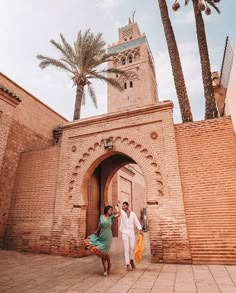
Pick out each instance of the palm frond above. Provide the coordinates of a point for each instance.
(62, 50)
(109, 80)
(211, 3)
(68, 49)
(186, 2)
(46, 61)
(92, 94)
(83, 98)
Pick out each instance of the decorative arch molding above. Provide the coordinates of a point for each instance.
(90, 158)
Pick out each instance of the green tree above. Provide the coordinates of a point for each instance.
(176, 66)
(199, 6)
(83, 61)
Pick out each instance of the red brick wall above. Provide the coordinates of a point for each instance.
(20, 139)
(30, 218)
(207, 161)
(27, 127)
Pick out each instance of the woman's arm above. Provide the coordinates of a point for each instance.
(98, 230)
(118, 212)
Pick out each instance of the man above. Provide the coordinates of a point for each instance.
(128, 221)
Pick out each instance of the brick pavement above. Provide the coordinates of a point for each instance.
(41, 273)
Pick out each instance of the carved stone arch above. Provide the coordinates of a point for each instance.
(96, 153)
(130, 58)
(136, 56)
(116, 62)
(147, 160)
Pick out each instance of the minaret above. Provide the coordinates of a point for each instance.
(133, 55)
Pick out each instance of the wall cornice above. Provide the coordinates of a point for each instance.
(159, 107)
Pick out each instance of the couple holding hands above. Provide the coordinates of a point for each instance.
(100, 241)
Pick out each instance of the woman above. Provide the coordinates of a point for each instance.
(100, 241)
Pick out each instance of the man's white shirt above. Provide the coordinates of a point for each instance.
(127, 223)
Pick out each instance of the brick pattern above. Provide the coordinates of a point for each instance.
(24, 126)
(29, 225)
(207, 160)
(20, 139)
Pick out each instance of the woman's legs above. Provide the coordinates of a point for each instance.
(104, 263)
(108, 263)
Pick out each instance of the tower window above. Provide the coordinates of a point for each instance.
(125, 39)
(130, 84)
(125, 85)
(123, 61)
(130, 59)
(130, 37)
(117, 75)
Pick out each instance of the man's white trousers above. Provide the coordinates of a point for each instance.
(129, 246)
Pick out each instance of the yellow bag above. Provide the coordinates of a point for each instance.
(139, 248)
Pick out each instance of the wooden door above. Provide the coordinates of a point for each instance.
(94, 200)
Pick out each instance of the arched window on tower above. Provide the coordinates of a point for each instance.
(136, 56)
(125, 85)
(116, 61)
(131, 84)
(130, 59)
(123, 61)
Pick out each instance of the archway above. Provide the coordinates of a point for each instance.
(116, 178)
(130, 152)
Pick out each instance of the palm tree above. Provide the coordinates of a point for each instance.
(180, 87)
(199, 6)
(83, 61)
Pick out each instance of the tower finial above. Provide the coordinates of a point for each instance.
(129, 21)
(133, 15)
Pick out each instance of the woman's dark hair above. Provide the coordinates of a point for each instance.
(106, 209)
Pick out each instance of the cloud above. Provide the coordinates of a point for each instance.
(108, 6)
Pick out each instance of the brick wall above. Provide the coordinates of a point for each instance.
(20, 139)
(27, 127)
(207, 161)
(30, 220)
(31, 112)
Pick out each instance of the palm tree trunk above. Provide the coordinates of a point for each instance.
(210, 104)
(180, 87)
(78, 101)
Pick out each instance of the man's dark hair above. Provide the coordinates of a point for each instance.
(106, 209)
(125, 202)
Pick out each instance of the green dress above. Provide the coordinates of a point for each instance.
(100, 244)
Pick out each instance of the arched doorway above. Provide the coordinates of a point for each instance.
(98, 192)
(116, 178)
(124, 151)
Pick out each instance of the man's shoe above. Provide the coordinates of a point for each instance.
(132, 264)
(128, 268)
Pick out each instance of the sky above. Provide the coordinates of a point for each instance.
(27, 26)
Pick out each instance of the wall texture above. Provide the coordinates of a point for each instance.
(26, 125)
(30, 220)
(207, 161)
